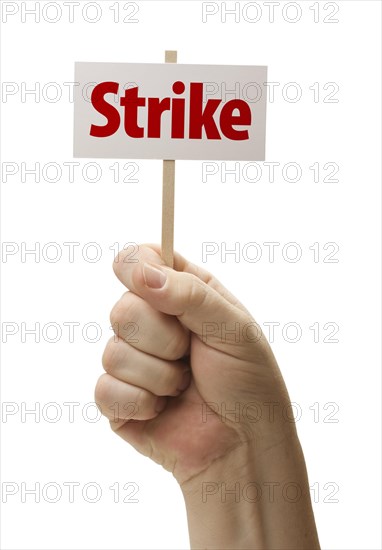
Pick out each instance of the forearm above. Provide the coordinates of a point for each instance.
(256, 498)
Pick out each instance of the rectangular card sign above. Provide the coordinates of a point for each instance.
(169, 111)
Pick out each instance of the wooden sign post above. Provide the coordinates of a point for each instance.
(168, 194)
(169, 111)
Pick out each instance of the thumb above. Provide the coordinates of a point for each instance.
(185, 296)
(202, 309)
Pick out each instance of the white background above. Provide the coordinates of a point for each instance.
(347, 373)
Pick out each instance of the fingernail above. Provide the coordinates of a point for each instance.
(154, 277)
(160, 404)
(184, 383)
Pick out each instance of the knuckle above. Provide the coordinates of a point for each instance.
(116, 313)
(166, 382)
(102, 389)
(141, 399)
(118, 264)
(195, 293)
(170, 383)
(123, 309)
(109, 357)
(175, 347)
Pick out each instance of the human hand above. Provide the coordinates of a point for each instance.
(184, 390)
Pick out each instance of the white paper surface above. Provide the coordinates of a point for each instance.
(225, 82)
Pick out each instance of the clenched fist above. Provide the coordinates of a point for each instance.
(189, 382)
(176, 386)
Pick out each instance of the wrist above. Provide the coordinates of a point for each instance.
(255, 497)
(218, 510)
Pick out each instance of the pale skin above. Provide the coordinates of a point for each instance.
(209, 406)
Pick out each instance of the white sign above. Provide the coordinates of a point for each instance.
(169, 111)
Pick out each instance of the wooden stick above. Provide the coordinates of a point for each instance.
(168, 195)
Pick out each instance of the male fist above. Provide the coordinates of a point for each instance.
(189, 375)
